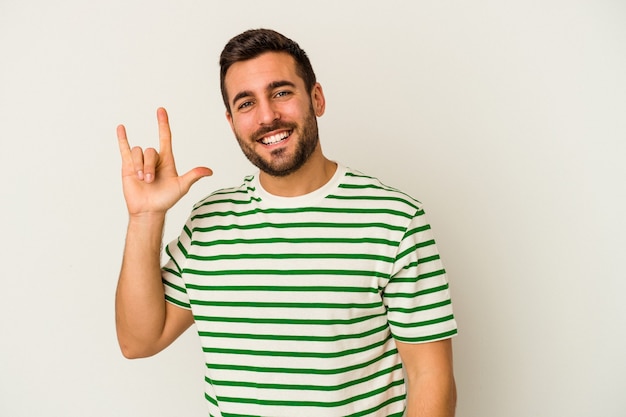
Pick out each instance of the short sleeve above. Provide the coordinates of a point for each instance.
(417, 296)
(172, 271)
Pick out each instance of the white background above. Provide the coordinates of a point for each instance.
(506, 118)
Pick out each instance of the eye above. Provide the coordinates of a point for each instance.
(282, 93)
(244, 105)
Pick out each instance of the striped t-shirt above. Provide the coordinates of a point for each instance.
(298, 301)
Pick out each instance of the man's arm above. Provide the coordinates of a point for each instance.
(145, 322)
(431, 386)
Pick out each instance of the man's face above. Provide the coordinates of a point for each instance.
(272, 114)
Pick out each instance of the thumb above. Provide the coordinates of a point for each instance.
(194, 175)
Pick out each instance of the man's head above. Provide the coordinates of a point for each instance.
(272, 102)
(252, 43)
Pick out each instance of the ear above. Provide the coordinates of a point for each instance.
(317, 99)
(229, 117)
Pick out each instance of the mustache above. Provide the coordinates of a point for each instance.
(276, 125)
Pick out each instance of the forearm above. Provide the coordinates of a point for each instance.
(431, 396)
(139, 302)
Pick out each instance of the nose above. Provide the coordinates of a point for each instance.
(267, 112)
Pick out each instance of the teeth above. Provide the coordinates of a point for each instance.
(270, 140)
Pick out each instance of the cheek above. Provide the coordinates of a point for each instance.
(241, 126)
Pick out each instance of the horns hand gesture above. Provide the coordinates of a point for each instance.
(150, 181)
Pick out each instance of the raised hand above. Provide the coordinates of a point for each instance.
(149, 178)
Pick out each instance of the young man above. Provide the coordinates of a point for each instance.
(312, 286)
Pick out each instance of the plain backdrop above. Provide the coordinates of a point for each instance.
(506, 118)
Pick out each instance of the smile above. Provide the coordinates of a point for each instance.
(279, 137)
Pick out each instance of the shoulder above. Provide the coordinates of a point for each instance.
(356, 184)
(240, 195)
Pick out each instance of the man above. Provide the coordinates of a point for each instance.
(312, 286)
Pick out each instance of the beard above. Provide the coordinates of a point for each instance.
(280, 163)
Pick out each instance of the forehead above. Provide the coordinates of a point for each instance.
(257, 73)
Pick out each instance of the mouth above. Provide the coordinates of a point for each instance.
(275, 138)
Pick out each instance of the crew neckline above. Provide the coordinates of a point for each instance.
(312, 198)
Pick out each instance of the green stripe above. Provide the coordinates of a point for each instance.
(370, 197)
(167, 251)
(212, 199)
(303, 387)
(297, 226)
(303, 211)
(211, 400)
(175, 301)
(426, 338)
(302, 272)
(418, 293)
(299, 354)
(368, 412)
(419, 277)
(355, 174)
(229, 201)
(357, 256)
(419, 229)
(420, 308)
(422, 261)
(174, 286)
(431, 274)
(301, 403)
(260, 304)
(172, 271)
(273, 288)
(362, 186)
(182, 249)
(304, 371)
(287, 321)
(414, 248)
(422, 323)
(381, 405)
(306, 338)
(386, 187)
(295, 240)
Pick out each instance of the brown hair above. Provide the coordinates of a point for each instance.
(254, 42)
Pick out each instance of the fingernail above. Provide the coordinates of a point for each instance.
(148, 178)
(140, 175)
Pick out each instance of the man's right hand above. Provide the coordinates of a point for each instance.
(150, 181)
(145, 322)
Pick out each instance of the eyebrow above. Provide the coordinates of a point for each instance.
(271, 86)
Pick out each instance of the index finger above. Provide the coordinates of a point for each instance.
(122, 141)
(165, 134)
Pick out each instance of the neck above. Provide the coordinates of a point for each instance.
(314, 174)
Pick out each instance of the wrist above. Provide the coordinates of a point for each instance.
(148, 225)
(156, 217)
